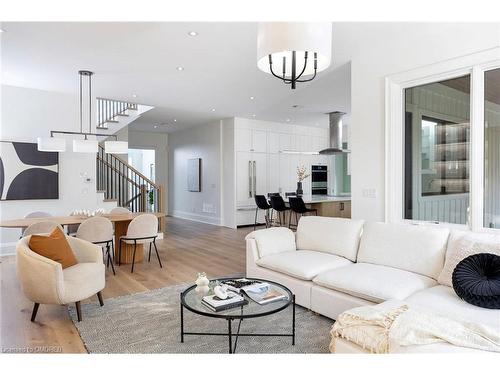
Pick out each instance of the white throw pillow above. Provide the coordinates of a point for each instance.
(463, 244)
(274, 240)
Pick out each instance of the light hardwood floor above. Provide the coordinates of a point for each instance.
(186, 249)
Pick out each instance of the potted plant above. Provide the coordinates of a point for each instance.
(301, 176)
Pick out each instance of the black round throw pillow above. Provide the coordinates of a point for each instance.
(476, 279)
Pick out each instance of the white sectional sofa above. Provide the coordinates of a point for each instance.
(334, 264)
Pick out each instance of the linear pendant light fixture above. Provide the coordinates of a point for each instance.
(85, 145)
(292, 51)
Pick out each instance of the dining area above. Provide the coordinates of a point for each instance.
(121, 233)
(62, 260)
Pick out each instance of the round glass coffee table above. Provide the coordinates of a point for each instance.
(191, 301)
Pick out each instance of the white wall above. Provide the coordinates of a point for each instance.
(159, 143)
(378, 50)
(228, 185)
(26, 115)
(202, 142)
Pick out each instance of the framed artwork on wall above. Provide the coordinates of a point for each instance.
(194, 175)
(26, 173)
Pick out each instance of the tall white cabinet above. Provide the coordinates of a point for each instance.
(261, 167)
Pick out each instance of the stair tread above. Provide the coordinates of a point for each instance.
(122, 114)
(100, 191)
(110, 200)
(116, 121)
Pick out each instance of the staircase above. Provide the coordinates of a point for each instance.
(121, 182)
(116, 179)
(109, 111)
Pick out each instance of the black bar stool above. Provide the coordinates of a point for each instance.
(263, 204)
(298, 206)
(278, 205)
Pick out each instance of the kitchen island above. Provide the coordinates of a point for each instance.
(329, 205)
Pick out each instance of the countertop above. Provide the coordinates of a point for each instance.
(308, 199)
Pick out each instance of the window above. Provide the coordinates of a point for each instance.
(492, 148)
(443, 143)
(437, 144)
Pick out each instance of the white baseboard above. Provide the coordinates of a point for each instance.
(196, 217)
(8, 248)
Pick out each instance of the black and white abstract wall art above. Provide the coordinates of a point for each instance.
(26, 173)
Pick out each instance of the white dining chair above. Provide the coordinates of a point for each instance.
(32, 215)
(41, 227)
(99, 231)
(120, 210)
(142, 230)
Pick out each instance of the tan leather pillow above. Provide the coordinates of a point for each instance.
(54, 246)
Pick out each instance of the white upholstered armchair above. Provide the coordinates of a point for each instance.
(44, 281)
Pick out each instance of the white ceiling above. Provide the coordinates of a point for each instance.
(129, 58)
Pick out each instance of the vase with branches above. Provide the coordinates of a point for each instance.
(301, 176)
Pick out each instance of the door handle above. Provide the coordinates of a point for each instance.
(254, 177)
(249, 179)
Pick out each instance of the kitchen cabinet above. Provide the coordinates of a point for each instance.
(262, 167)
(334, 209)
(251, 140)
(251, 177)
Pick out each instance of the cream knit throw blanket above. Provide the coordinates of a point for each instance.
(382, 328)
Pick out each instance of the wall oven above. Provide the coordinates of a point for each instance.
(319, 180)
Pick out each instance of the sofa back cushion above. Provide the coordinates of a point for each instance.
(330, 235)
(274, 240)
(462, 244)
(415, 248)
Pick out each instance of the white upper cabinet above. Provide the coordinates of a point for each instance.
(273, 142)
(286, 142)
(259, 141)
(250, 140)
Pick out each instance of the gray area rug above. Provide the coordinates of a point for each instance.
(149, 322)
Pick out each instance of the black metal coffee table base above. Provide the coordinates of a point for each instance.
(230, 334)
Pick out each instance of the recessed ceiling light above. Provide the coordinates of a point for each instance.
(180, 68)
(253, 115)
(213, 109)
(252, 98)
(192, 33)
(134, 95)
(1, 30)
(156, 126)
(175, 120)
(287, 120)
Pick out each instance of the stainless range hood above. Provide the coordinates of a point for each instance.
(335, 135)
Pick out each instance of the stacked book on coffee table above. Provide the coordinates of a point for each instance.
(216, 304)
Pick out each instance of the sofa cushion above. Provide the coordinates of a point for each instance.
(274, 240)
(373, 282)
(442, 300)
(462, 244)
(330, 235)
(302, 264)
(415, 248)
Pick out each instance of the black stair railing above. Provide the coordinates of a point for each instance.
(130, 188)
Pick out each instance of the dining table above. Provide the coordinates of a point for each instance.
(120, 221)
